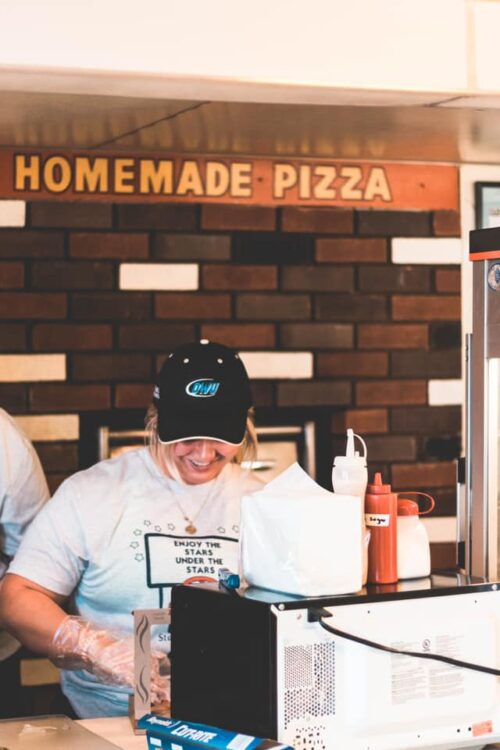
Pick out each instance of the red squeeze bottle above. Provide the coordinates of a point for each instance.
(381, 516)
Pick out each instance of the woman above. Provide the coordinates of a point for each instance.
(23, 492)
(117, 536)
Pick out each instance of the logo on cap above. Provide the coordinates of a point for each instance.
(202, 388)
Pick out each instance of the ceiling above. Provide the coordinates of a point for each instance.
(348, 125)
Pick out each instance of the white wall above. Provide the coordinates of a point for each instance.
(387, 44)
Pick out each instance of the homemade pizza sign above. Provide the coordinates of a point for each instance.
(95, 176)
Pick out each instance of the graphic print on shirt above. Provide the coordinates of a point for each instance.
(171, 558)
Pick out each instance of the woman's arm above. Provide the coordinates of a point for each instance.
(34, 615)
(30, 612)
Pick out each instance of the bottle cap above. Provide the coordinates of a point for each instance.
(407, 508)
(357, 461)
(377, 488)
(352, 456)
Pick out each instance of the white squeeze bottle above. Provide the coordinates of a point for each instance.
(350, 477)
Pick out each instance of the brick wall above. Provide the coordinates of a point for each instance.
(329, 316)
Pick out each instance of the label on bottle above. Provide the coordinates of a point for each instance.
(377, 519)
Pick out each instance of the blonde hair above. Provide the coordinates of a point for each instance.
(163, 453)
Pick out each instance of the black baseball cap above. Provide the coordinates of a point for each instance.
(202, 391)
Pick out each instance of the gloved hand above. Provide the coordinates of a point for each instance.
(77, 644)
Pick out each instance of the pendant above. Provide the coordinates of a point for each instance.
(191, 529)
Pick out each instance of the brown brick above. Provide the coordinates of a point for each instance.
(443, 555)
(426, 307)
(273, 306)
(392, 336)
(392, 448)
(192, 246)
(429, 420)
(351, 307)
(25, 305)
(239, 277)
(445, 335)
(317, 336)
(241, 335)
(318, 220)
(434, 364)
(11, 275)
(317, 279)
(133, 395)
(352, 250)
(247, 218)
(63, 214)
(21, 243)
(272, 247)
(448, 281)
(263, 394)
(57, 337)
(362, 421)
(13, 397)
(177, 217)
(61, 397)
(391, 392)
(12, 337)
(107, 245)
(446, 223)
(71, 275)
(318, 393)
(58, 457)
(55, 480)
(111, 367)
(443, 448)
(353, 364)
(153, 336)
(193, 306)
(111, 306)
(394, 223)
(446, 501)
(419, 476)
(394, 279)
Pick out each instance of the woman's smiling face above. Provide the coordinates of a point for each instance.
(199, 461)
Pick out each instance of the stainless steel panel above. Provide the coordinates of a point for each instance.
(483, 424)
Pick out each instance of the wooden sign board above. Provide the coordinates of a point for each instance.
(93, 176)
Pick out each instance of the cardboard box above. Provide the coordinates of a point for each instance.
(140, 702)
(174, 734)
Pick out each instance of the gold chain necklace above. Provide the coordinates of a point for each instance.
(191, 528)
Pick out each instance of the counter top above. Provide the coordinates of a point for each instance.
(118, 730)
(115, 730)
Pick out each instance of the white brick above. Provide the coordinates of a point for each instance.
(429, 250)
(50, 426)
(440, 528)
(159, 276)
(446, 392)
(278, 364)
(12, 213)
(21, 368)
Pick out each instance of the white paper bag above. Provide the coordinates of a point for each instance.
(298, 538)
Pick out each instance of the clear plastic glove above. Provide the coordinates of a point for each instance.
(77, 644)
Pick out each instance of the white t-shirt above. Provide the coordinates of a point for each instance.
(23, 491)
(115, 536)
